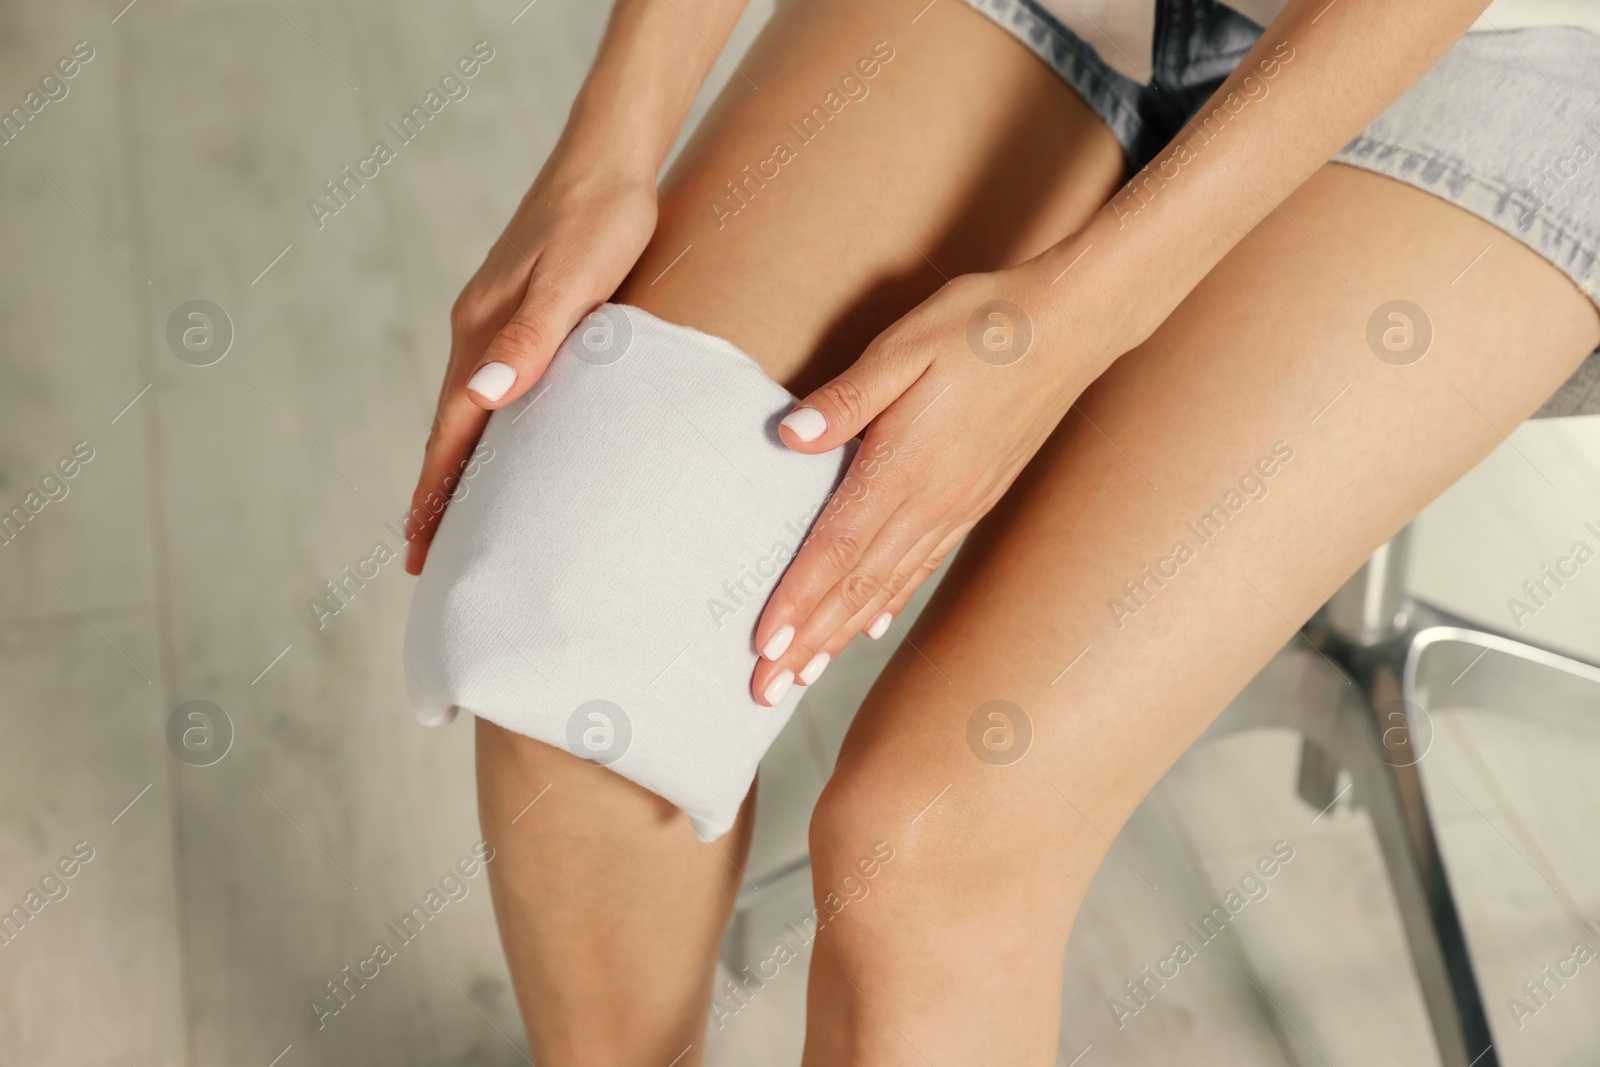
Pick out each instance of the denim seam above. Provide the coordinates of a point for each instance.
(1081, 72)
(1564, 231)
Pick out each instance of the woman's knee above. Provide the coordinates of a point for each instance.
(940, 859)
(861, 868)
(960, 830)
(851, 818)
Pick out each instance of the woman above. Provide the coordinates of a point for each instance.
(1367, 328)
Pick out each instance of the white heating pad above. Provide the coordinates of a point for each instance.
(598, 584)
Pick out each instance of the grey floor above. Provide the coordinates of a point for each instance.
(218, 900)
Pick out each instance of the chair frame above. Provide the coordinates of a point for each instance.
(1361, 682)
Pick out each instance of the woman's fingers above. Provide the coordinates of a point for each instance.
(908, 574)
(799, 650)
(847, 524)
(843, 407)
(844, 561)
(521, 349)
(571, 242)
(483, 306)
(903, 582)
(869, 493)
(582, 257)
(804, 660)
(518, 350)
(876, 622)
(834, 550)
(457, 425)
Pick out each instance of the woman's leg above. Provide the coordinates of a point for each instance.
(1260, 397)
(963, 148)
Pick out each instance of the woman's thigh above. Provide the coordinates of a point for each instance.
(799, 232)
(1208, 493)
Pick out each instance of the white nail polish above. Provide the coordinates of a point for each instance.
(492, 380)
(777, 687)
(814, 669)
(880, 626)
(437, 716)
(808, 424)
(778, 642)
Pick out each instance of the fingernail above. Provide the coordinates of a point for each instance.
(437, 716)
(777, 687)
(880, 626)
(807, 424)
(778, 642)
(492, 380)
(413, 553)
(814, 669)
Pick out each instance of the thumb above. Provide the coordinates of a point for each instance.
(842, 408)
(520, 351)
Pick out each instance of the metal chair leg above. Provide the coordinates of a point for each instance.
(1337, 710)
(1341, 683)
(1380, 746)
(1369, 628)
(1318, 781)
(1432, 665)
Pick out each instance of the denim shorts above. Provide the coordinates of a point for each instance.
(1506, 126)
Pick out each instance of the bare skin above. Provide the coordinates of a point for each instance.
(969, 156)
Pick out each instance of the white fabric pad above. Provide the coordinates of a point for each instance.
(598, 583)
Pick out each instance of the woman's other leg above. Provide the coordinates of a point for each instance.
(1259, 429)
(959, 152)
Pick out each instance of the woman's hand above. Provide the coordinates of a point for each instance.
(574, 238)
(959, 395)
